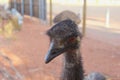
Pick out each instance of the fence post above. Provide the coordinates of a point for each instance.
(15, 5)
(84, 18)
(31, 7)
(22, 7)
(39, 9)
(44, 10)
(42, 6)
(50, 12)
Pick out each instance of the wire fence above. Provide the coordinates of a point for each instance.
(35, 8)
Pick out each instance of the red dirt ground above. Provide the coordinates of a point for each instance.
(29, 46)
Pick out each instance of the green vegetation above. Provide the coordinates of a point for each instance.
(10, 27)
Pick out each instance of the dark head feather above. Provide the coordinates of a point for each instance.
(64, 29)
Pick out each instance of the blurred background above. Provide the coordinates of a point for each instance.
(23, 42)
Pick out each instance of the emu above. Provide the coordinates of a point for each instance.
(65, 37)
(67, 15)
(4, 15)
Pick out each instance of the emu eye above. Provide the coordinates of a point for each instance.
(72, 39)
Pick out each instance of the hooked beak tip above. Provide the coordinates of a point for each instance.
(48, 59)
(46, 62)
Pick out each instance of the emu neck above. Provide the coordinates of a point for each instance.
(73, 69)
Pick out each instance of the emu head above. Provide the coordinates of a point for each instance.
(64, 36)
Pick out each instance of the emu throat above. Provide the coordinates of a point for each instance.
(73, 69)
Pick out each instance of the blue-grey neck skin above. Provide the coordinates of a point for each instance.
(73, 69)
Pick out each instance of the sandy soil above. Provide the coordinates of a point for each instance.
(29, 46)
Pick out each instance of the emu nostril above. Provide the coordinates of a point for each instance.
(55, 51)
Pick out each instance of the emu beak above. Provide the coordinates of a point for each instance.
(53, 52)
